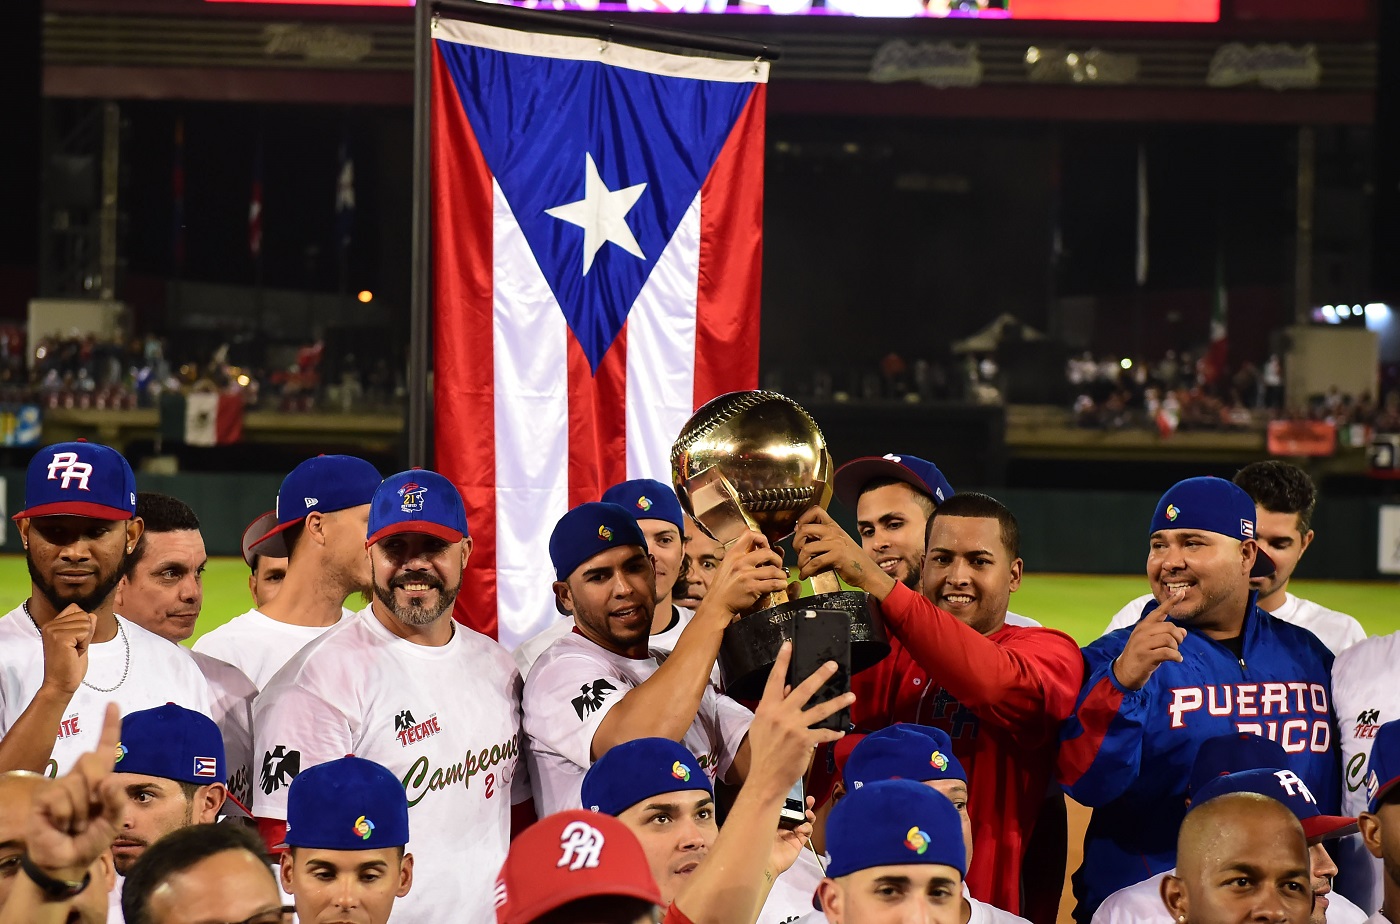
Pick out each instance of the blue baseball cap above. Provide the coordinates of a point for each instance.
(893, 823)
(1287, 787)
(588, 530)
(417, 501)
(173, 743)
(347, 804)
(79, 479)
(323, 484)
(647, 499)
(1232, 753)
(903, 752)
(1211, 505)
(921, 475)
(637, 770)
(1383, 769)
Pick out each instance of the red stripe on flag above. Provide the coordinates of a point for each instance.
(597, 421)
(464, 374)
(731, 259)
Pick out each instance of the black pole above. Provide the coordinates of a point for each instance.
(587, 24)
(420, 304)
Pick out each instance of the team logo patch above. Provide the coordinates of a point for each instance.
(916, 840)
(206, 767)
(364, 827)
(644, 503)
(412, 495)
(579, 846)
(938, 760)
(279, 767)
(680, 771)
(1247, 529)
(1173, 512)
(591, 697)
(1367, 724)
(121, 752)
(605, 534)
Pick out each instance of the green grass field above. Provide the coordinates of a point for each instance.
(1080, 604)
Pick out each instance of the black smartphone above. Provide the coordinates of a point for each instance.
(794, 807)
(819, 636)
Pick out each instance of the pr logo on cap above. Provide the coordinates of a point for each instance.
(680, 771)
(412, 494)
(916, 840)
(605, 534)
(938, 760)
(364, 827)
(72, 469)
(580, 846)
(1172, 512)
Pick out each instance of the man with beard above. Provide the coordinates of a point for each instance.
(402, 685)
(600, 685)
(322, 507)
(64, 653)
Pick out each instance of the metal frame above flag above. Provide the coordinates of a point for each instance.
(587, 254)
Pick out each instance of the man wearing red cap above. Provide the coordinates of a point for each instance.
(322, 508)
(402, 685)
(64, 653)
(266, 570)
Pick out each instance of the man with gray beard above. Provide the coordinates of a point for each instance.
(401, 684)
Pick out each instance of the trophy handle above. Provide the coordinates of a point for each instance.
(826, 582)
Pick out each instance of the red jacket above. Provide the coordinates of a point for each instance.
(1001, 698)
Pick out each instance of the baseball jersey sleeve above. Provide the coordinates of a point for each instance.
(1017, 685)
(1101, 743)
(1128, 615)
(566, 700)
(293, 728)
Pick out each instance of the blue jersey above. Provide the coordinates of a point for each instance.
(1128, 754)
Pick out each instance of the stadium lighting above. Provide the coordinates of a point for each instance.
(365, 296)
(1330, 314)
(1343, 311)
(1126, 363)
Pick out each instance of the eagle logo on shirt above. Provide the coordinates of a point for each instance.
(279, 767)
(404, 721)
(591, 697)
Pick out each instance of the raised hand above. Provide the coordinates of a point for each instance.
(1153, 642)
(821, 543)
(75, 818)
(749, 570)
(66, 639)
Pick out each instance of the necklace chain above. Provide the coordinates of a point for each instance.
(126, 644)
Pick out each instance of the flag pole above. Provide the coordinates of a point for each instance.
(420, 305)
(478, 11)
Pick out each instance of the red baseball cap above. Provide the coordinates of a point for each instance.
(254, 535)
(567, 857)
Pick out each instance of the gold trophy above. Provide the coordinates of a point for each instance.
(756, 460)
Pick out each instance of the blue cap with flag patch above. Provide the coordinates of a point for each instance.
(1287, 787)
(903, 752)
(920, 474)
(588, 530)
(347, 804)
(79, 479)
(417, 501)
(893, 823)
(648, 499)
(639, 769)
(1383, 768)
(323, 484)
(1212, 505)
(173, 743)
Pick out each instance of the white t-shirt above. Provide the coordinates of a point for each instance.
(1016, 619)
(981, 913)
(791, 896)
(1364, 696)
(529, 651)
(1337, 631)
(159, 673)
(1141, 903)
(259, 645)
(231, 697)
(573, 686)
(445, 720)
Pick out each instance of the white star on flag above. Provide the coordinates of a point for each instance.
(602, 214)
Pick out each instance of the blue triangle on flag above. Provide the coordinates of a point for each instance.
(539, 120)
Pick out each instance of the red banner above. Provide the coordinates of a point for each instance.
(1302, 438)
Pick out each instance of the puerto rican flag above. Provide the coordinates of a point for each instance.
(597, 238)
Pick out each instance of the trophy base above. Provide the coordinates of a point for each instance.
(751, 644)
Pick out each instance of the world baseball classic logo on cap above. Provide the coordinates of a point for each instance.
(644, 503)
(1173, 512)
(917, 840)
(680, 771)
(605, 534)
(364, 827)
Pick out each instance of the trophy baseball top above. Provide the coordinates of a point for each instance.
(751, 460)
